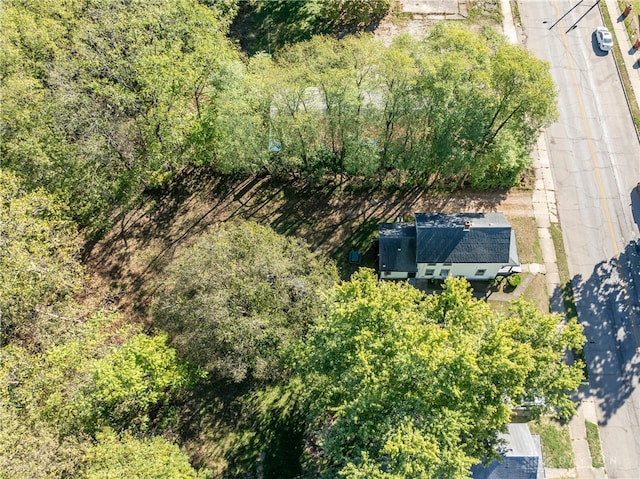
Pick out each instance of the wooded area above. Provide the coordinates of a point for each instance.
(251, 358)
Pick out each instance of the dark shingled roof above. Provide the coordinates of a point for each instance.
(398, 247)
(442, 238)
(521, 457)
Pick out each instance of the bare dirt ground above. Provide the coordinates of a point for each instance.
(415, 16)
(332, 219)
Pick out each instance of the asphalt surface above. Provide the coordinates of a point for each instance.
(594, 155)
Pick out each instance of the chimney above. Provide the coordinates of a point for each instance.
(467, 225)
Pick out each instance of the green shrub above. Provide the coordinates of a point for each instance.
(514, 280)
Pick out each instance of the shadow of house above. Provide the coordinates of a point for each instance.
(521, 457)
(477, 246)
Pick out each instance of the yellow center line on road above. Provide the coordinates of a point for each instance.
(594, 161)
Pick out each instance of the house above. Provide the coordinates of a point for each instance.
(521, 457)
(478, 246)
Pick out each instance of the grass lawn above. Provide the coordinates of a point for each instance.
(536, 293)
(571, 311)
(556, 443)
(558, 242)
(593, 439)
(529, 251)
(527, 238)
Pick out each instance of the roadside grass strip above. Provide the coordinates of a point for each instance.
(593, 439)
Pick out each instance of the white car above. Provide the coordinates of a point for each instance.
(605, 40)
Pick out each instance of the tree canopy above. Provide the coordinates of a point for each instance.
(109, 375)
(97, 398)
(100, 96)
(457, 107)
(105, 99)
(238, 297)
(406, 385)
(128, 456)
(40, 267)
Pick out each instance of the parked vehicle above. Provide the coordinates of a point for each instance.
(604, 38)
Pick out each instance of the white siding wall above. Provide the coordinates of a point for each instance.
(468, 270)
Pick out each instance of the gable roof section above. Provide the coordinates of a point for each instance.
(442, 238)
(397, 247)
(521, 457)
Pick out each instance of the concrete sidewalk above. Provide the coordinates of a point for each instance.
(578, 432)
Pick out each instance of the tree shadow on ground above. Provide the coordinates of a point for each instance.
(609, 310)
(333, 218)
(269, 26)
(241, 431)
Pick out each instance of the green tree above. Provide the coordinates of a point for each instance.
(132, 382)
(354, 14)
(233, 132)
(40, 268)
(489, 100)
(109, 375)
(322, 107)
(457, 108)
(401, 125)
(54, 404)
(128, 456)
(237, 298)
(32, 449)
(100, 98)
(406, 385)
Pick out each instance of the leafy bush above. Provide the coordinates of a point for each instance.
(514, 280)
(109, 375)
(235, 300)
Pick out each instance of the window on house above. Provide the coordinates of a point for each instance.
(429, 272)
(481, 272)
(445, 272)
(431, 264)
(446, 264)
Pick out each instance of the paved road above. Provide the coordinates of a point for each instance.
(595, 159)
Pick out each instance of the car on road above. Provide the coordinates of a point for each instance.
(604, 38)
